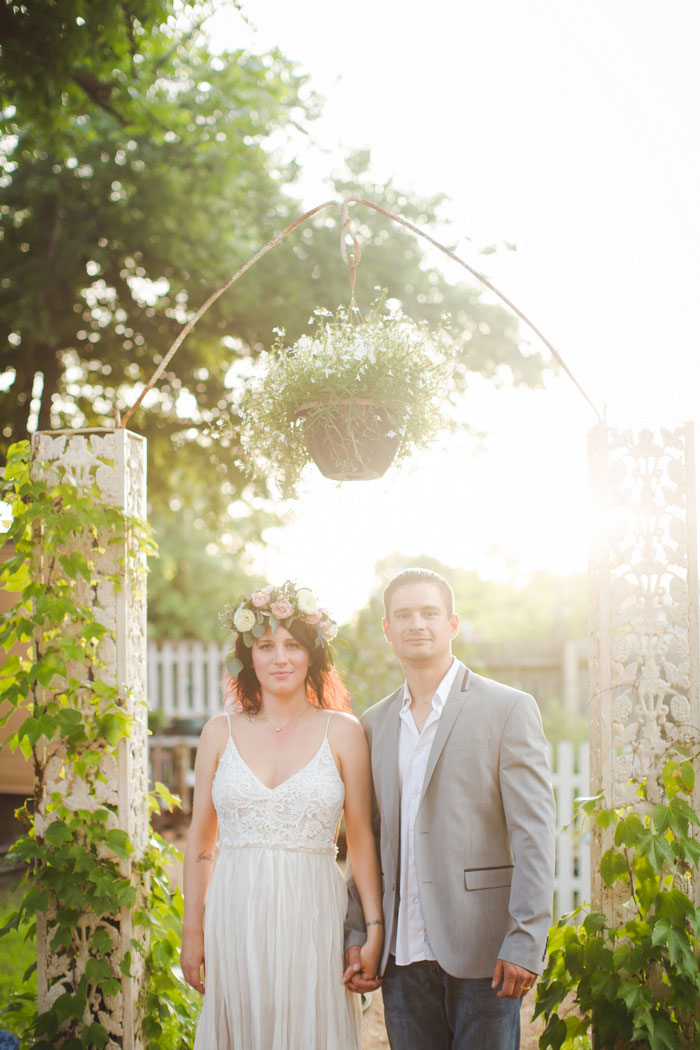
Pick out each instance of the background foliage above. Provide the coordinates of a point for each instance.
(138, 172)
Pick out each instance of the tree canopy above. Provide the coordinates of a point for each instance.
(139, 171)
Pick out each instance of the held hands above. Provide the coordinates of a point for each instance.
(361, 966)
(514, 981)
(192, 958)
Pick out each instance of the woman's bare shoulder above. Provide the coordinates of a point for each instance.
(215, 732)
(345, 727)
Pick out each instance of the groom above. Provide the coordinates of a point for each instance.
(465, 823)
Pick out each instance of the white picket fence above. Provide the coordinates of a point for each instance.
(570, 778)
(184, 681)
(184, 678)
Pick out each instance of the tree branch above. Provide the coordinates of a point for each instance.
(100, 91)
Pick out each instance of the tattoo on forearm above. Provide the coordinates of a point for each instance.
(203, 856)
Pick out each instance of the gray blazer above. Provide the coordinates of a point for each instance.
(484, 831)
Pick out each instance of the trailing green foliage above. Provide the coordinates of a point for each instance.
(77, 862)
(633, 981)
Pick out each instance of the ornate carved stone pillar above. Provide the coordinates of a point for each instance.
(644, 671)
(115, 462)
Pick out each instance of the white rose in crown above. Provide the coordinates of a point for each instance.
(306, 603)
(329, 629)
(244, 620)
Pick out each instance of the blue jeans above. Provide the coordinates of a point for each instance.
(427, 1009)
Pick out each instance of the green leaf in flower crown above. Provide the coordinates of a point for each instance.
(248, 639)
(234, 666)
(274, 623)
(258, 631)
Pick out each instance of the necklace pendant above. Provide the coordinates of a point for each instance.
(278, 729)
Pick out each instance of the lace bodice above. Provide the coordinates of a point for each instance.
(301, 813)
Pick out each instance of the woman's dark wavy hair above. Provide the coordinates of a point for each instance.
(324, 686)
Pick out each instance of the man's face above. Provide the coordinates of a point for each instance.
(418, 625)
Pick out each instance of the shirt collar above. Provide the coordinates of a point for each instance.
(439, 696)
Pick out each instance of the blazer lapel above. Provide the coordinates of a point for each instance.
(453, 705)
(385, 744)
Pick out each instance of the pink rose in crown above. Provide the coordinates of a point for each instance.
(329, 629)
(313, 617)
(282, 609)
(260, 598)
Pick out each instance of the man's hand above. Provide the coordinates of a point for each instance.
(513, 981)
(354, 976)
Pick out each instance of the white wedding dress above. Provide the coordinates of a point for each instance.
(273, 930)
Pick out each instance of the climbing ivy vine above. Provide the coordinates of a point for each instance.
(632, 981)
(76, 862)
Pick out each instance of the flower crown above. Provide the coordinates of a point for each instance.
(273, 607)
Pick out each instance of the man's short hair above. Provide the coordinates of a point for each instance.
(417, 575)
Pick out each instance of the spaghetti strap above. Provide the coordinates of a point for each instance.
(228, 719)
(328, 722)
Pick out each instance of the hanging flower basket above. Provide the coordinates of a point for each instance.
(353, 396)
(356, 441)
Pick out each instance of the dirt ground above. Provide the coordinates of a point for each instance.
(373, 1029)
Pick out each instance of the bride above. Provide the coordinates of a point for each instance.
(272, 776)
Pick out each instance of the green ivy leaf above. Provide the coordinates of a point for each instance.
(634, 995)
(613, 867)
(663, 1035)
(118, 842)
(57, 834)
(72, 648)
(48, 668)
(680, 952)
(75, 564)
(662, 817)
(550, 996)
(628, 830)
(680, 806)
(554, 1034)
(101, 941)
(111, 727)
(656, 848)
(689, 850)
(594, 922)
(94, 1035)
(97, 970)
(10, 666)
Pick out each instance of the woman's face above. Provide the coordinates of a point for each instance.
(280, 662)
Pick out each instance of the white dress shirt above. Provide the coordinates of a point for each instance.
(410, 942)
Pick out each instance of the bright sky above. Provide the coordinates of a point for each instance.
(571, 130)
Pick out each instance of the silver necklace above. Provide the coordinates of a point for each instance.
(278, 729)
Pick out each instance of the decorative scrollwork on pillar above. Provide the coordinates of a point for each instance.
(643, 607)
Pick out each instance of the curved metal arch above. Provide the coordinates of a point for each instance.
(352, 261)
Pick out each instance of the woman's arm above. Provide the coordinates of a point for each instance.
(353, 754)
(199, 852)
